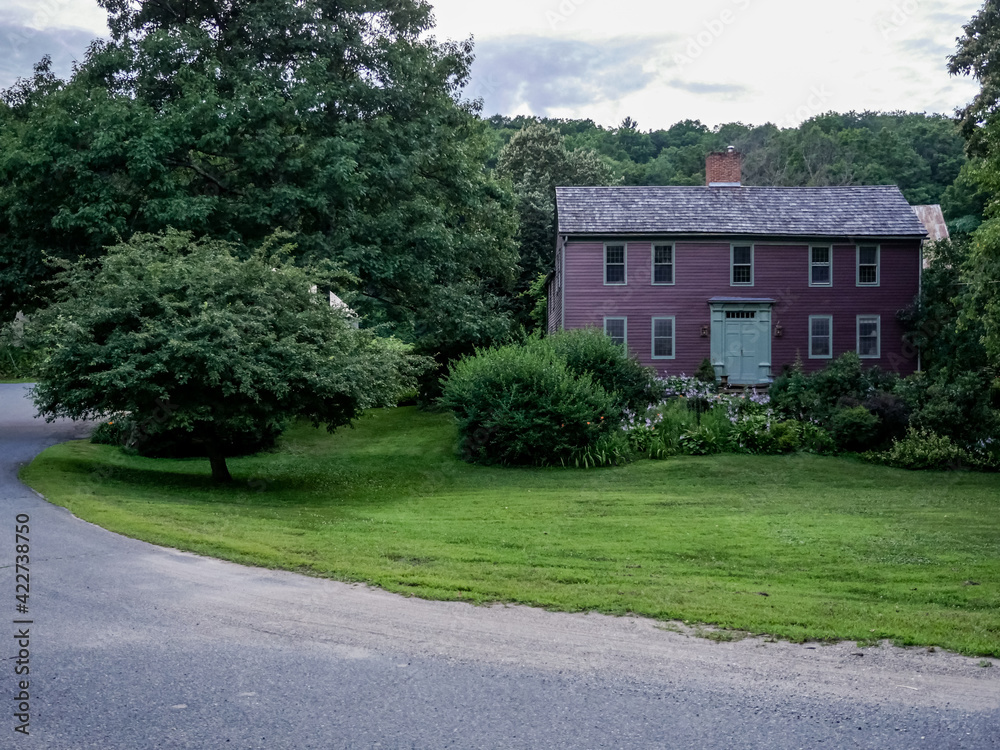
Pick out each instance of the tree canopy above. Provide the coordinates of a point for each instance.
(339, 122)
(977, 55)
(182, 335)
(923, 154)
(536, 161)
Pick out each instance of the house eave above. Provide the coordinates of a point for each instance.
(727, 236)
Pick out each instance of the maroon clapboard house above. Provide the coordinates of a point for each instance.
(750, 277)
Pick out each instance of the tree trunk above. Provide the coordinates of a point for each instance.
(220, 472)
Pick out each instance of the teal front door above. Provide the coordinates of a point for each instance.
(742, 337)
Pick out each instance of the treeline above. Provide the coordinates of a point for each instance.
(922, 154)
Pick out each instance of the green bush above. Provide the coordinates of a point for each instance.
(922, 449)
(952, 404)
(590, 351)
(787, 436)
(816, 396)
(519, 405)
(752, 434)
(705, 372)
(709, 434)
(759, 434)
(700, 441)
(814, 439)
(854, 428)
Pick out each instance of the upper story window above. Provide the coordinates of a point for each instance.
(616, 329)
(868, 265)
(869, 339)
(614, 264)
(741, 267)
(821, 266)
(663, 264)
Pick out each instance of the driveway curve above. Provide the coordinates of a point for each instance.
(137, 646)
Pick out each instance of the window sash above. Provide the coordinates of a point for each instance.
(868, 265)
(742, 265)
(821, 336)
(616, 329)
(614, 264)
(663, 264)
(869, 335)
(821, 266)
(663, 338)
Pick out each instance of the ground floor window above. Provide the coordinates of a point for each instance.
(869, 344)
(616, 328)
(820, 336)
(663, 338)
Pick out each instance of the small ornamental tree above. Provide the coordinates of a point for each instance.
(183, 335)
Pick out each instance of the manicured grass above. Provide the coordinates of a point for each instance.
(801, 547)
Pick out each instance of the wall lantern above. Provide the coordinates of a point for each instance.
(778, 331)
(704, 332)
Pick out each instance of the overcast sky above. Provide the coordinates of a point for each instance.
(657, 61)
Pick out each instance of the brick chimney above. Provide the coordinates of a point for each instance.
(724, 168)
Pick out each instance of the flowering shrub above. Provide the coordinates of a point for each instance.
(747, 404)
(681, 386)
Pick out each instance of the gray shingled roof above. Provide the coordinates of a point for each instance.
(876, 210)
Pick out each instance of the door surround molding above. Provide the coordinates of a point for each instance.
(761, 371)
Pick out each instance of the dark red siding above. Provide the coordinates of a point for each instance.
(781, 272)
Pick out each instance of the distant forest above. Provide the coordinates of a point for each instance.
(922, 154)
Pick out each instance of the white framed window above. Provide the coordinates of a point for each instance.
(868, 265)
(741, 265)
(614, 263)
(663, 264)
(820, 265)
(663, 338)
(820, 337)
(869, 336)
(616, 329)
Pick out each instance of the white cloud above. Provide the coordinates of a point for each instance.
(660, 61)
(85, 15)
(862, 54)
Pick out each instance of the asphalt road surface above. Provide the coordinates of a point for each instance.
(135, 646)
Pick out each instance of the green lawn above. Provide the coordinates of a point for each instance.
(842, 549)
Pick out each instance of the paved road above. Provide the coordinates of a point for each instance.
(134, 646)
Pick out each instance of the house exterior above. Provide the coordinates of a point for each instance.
(750, 277)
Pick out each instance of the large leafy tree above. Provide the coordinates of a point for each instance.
(186, 338)
(977, 55)
(339, 121)
(536, 162)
